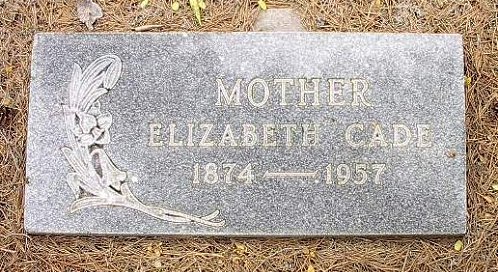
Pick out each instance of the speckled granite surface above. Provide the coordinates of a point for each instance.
(246, 134)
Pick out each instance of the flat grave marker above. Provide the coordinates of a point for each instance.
(246, 134)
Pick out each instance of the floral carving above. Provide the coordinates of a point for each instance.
(95, 180)
(93, 127)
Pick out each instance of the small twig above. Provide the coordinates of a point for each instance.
(8, 250)
(146, 27)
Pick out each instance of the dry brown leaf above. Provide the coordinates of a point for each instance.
(262, 5)
(154, 250)
(468, 81)
(309, 252)
(157, 263)
(89, 12)
(202, 5)
(7, 102)
(458, 245)
(240, 248)
(144, 3)
(8, 70)
(488, 199)
(175, 6)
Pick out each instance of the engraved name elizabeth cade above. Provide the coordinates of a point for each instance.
(296, 142)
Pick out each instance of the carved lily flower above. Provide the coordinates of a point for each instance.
(93, 126)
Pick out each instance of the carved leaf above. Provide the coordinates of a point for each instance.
(92, 97)
(96, 132)
(91, 79)
(97, 67)
(111, 175)
(87, 139)
(95, 109)
(80, 154)
(89, 201)
(75, 163)
(84, 88)
(112, 74)
(93, 92)
(70, 119)
(93, 184)
(89, 179)
(125, 190)
(73, 181)
(104, 120)
(212, 215)
(74, 85)
(104, 138)
(87, 122)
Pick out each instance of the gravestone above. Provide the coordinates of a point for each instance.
(246, 134)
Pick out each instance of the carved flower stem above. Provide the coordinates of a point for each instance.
(172, 216)
(130, 201)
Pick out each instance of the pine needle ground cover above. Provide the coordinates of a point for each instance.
(477, 21)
